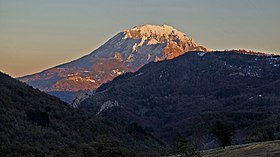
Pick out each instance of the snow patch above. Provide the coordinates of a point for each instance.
(135, 46)
(130, 58)
(237, 73)
(91, 80)
(117, 72)
(148, 56)
(153, 42)
(139, 74)
(201, 54)
(107, 105)
(118, 56)
(70, 75)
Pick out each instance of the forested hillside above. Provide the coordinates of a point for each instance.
(33, 123)
(189, 94)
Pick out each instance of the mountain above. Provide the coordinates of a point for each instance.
(190, 93)
(33, 123)
(125, 52)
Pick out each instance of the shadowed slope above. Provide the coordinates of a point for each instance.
(35, 123)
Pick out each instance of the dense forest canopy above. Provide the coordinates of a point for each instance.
(33, 123)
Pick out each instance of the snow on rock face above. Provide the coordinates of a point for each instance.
(201, 54)
(81, 97)
(107, 105)
(176, 42)
(153, 31)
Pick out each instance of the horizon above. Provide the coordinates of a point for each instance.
(37, 35)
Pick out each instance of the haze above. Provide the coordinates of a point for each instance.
(38, 34)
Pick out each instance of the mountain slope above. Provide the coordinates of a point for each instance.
(125, 52)
(33, 123)
(191, 92)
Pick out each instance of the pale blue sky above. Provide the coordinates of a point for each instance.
(38, 34)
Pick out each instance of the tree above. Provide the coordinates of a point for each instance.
(38, 117)
(224, 132)
(184, 148)
(135, 128)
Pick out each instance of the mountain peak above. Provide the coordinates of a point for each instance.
(127, 51)
(175, 42)
(152, 31)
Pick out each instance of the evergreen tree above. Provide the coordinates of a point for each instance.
(224, 133)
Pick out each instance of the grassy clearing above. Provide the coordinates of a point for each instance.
(260, 149)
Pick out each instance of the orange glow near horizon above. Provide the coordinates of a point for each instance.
(36, 35)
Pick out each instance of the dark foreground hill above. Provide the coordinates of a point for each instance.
(192, 92)
(33, 123)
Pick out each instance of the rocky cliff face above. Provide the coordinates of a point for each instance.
(125, 52)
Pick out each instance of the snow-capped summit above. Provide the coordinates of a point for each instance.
(155, 34)
(149, 31)
(127, 51)
(151, 42)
